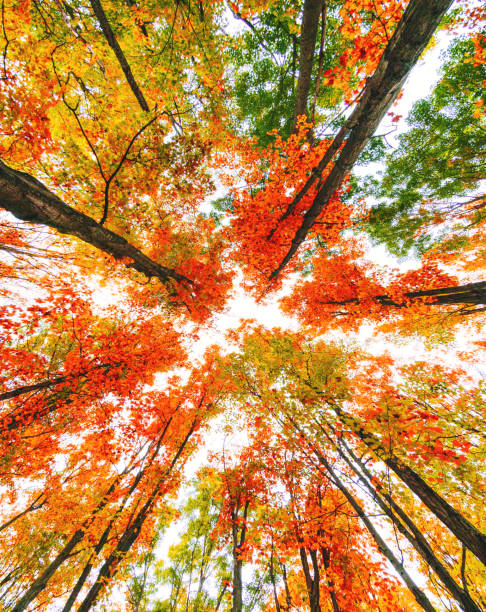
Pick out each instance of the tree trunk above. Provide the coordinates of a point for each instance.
(17, 418)
(464, 531)
(272, 579)
(288, 597)
(129, 536)
(326, 561)
(315, 603)
(41, 582)
(30, 200)
(311, 582)
(308, 37)
(410, 531)
(120, 56)
(419, 595)
(466, 296)
(238, 542)
(33, 506)
(47, 384)
(414, 31)
(99, 546)
(237, 585)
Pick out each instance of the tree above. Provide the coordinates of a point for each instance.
(432, 177)
(157, 430)
(349, 480)
(310, 406)
(197, 560)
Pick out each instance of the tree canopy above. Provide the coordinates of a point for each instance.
(164, 165)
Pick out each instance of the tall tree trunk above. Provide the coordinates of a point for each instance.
(30, 200)
(464, 531)
(316, 604)
(414, 31)
(41, 582)
(409, 530)
(31, 508)
(237, 584)
(320, 65)
(308, 37)
(17, 419)
(419, 595)
(272, 579)
(99, 546)
(311, 581)
(120, 56)
(326, 557)
(288, 597)
(47, 384)
(238, 542)
(129, 536)
(466, 296)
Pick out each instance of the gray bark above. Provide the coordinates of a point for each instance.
(129, 536)
(419, 595)
(464, 531)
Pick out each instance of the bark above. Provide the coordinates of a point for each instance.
(273, 581)
(104, 538)
(220, 598)
(411, 532)
(33, 506)
(419, 595)
(30, 200)
(80, 582)
(288, 598)
(129, 536)
(41, 582)
(464, 531)
(315, 602)
(308, 37)
(311, 581)
(305, 567)
(205, 560)
(237, 562)
(326, 561)
(99, 546)
(414, 31)
(471, 293)
(321, 59)
(17, 419)
(120, 56)
(237, 585)
(467, 296)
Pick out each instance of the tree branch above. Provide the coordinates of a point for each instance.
(30, 200)
(120, 164)
(120, 56)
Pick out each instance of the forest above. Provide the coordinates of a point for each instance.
(242, 305)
